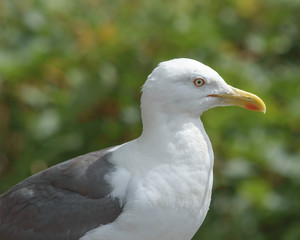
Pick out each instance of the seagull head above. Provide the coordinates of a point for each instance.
(186, 86)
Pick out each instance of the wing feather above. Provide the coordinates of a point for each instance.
(62, 202)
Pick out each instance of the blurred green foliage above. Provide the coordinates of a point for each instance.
(70, 78)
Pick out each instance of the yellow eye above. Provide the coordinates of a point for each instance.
(198, 82)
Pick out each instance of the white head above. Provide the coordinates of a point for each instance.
(187, 87)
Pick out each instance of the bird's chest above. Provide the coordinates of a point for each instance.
(169, 192)
(179, 191)
(178, 201)
(178, 188)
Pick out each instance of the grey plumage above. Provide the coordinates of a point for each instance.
(62, 202)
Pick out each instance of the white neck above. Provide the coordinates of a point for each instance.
(159, 115)
(174, 136)
(168, 137)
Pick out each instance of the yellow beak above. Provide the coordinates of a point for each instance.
(242, 99)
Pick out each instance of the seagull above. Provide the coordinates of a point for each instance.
(157, 186)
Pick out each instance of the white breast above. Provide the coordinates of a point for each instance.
(167, 199)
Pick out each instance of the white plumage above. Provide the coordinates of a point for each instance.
(165, 176)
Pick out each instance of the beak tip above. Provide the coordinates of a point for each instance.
(256, 107)
(263, 108)
(250, 101)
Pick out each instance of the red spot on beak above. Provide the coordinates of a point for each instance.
(252, 107)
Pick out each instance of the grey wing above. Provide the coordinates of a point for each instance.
(61, 203)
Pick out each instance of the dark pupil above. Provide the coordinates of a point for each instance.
(199, 82)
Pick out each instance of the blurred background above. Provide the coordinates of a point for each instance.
(70, 78)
